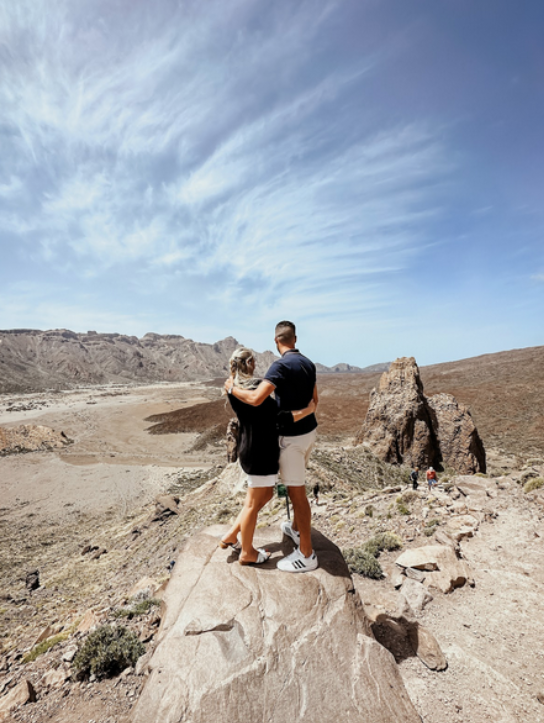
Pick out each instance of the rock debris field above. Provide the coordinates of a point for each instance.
(103, 522)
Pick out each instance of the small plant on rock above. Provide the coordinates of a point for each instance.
(107, 651)
(369, 510)
(533, 484)
(363, 562)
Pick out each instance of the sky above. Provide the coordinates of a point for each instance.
(371, 170)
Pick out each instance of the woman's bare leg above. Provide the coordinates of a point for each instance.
(232, 535)
(256, 499)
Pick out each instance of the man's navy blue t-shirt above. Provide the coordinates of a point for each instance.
(293, 377)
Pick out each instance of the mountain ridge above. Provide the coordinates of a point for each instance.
(35, 360)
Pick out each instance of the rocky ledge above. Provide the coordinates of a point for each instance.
(251, 643)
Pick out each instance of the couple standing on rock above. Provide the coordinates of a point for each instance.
(275, 436)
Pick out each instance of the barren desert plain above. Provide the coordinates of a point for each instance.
(84, 516)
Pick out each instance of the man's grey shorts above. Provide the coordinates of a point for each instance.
(294, 455)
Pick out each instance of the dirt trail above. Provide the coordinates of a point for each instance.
(492, 634)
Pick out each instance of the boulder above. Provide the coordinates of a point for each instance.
(461, 526)
(460, 444)
(445, 571)
(165, 505)
(21, 694)
(30, 438)
(54, 678)
(243, 643)
(398, 425)
(32, 580)
(404, 637)
(426, 647)
(415, 594)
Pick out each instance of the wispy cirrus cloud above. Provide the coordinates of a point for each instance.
(204, 149)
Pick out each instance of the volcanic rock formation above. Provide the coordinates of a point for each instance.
(253, 644)
(403, 427)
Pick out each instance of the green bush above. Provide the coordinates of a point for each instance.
(369, 510)
(107, 651)
(533, 484)
(363, 563)
(402, 509)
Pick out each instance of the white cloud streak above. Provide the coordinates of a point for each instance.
(199, 137)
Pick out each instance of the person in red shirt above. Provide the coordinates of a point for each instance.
(431, 478)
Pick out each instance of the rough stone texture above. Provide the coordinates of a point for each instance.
(21, 694)
(403, 427)
(252, 644)
(89, 622)
(462, 526)
(30, 438)
(458, 439)
(445, 573)
(404, 637)
(31, 359)
(415, 594)
(398, 426)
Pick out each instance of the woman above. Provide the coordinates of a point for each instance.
(258, 453)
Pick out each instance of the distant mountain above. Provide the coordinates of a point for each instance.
(349, 369)
(34, 360)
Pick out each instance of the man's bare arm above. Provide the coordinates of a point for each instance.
(253, 397)
(315, 397)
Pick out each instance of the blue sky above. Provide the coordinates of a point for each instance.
(372, 170)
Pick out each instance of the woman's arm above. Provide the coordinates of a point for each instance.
(310, 409)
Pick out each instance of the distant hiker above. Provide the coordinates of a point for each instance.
(257, 450)
(293, 379)
(431, 478)
(316, 493)
(414, 474)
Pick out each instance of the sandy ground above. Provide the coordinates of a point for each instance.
(109, 431)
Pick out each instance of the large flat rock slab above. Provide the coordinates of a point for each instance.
(255, 644)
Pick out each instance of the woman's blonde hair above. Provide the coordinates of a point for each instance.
(239, 365)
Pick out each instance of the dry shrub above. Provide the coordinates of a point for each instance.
(107, 651)
(533, 484)
(363, 560)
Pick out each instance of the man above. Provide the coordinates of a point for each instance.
(293, 379)
(414, 476)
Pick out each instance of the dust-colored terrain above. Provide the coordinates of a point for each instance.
(129, 444)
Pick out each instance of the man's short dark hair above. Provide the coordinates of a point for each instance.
(285, 332)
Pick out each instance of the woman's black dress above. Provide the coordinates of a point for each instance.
(258, 447)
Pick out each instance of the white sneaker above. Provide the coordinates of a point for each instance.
(296, 562)
(287, 529)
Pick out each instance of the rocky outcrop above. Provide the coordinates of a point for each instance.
(443, 571)
(251, 644)
(458, 439)
(398, 425)
(30, 438)
(402, 426)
